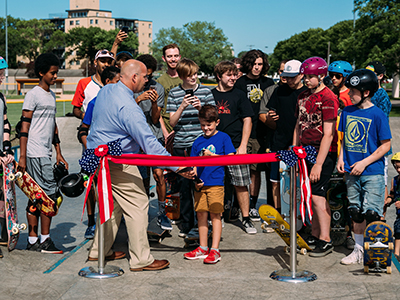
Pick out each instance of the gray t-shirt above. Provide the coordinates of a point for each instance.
(41, 131)
(146, 107)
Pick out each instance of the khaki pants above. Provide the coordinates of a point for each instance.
(130, 199)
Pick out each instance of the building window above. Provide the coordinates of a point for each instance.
(149, 25)
(149, 35)
(71, 62)
(106, 15)
(71, 22)
(97, 14)
(91, 21)
(78, 62)
(111, 23)
(77, 22)
(97, 21)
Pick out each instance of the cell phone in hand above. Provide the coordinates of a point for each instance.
(273, 109)
(197, 179)
(153, 87)
(189, 92)
(125, 29)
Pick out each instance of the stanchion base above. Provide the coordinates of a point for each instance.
(286, 275)
(108, 272)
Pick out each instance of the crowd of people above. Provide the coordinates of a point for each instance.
(341, 112)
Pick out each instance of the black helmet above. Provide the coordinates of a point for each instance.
(59, 171)
(363, 80)
(72, 185)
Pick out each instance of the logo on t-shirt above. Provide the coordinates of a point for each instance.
(255, 93)
(356, 136)
(223, 108)
(211, 148)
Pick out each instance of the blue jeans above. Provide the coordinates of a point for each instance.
(366, 192)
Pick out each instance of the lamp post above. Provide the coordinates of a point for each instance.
(6, 73)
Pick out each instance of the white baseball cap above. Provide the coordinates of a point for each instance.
(292, 68)
(104, 53)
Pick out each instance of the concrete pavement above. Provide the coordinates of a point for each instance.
(243, 273)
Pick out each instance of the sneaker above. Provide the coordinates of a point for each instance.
(213, 257)
(349, 243)
(175, 222)
(182, 234)
(266, 228)
(48, 247)
(89, 233)
(164, 222)
(249, 227)
(357, 256)
(312, 241)
(323, 248)
(254, 216)
(197, 253)
(234, 214)
(33, 247)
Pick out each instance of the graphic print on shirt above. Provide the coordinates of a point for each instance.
(254, 92)
(210, 148)
(223, 108)
(356, 135)
(310, 115)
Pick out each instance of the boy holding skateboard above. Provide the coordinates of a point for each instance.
(365, 142)
(38, 132)
(209, 194)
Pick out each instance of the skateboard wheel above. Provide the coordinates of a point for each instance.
(159, 240)
(22, 226)
(391, 247)
(280, 170)
(282, 227)
(85, 184)
(11, 177)
(389, 270)
(366, 246)
(15, 230)
(366, 269)
(38, 196)
(346, 228)
(286, 249)
(303, 251)
(263, 226)
(32, 209)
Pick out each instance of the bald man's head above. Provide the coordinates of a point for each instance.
(134, 75)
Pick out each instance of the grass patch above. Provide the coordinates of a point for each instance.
(395, 112)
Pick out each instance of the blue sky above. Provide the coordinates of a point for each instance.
(255, 23)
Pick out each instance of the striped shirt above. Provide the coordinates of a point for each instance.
(188, 127)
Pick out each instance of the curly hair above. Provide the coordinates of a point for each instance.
(149, 61)
(109, 73)
(44, 62)
(249, 59)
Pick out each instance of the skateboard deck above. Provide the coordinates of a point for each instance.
(284, 171)
(378, 247)
(281, 227)
(337, 199)
(37, 197)
(13, 227)
(172, 201)
(155, 233)
(192, 239)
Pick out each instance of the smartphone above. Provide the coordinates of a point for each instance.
(273, 109)
(153, 87)
(125, 29)
(197, 180)
(189, 92)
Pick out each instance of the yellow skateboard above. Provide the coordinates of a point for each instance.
(281, 227)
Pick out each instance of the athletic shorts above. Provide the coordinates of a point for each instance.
(254, 147)
(41, 170)
(321, 187)
(239, 175)
(210, 198)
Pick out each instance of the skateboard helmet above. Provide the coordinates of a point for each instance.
(396, 157)
(363, 80)
(3, 63)
(341, 67)
(59, 171)
(314, 66)
(72, 185)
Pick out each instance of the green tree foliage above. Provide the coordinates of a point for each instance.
(200, 41)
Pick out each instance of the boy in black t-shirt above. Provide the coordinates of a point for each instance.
(235, 115)
(255, 65)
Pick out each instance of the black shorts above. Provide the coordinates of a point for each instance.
(397, 228)
(321, 187)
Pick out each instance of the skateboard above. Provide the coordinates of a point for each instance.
(284, 171)
(13, 227)
(337, 199)
(378, 247)
(281, 227)
(172, 201)
(192, 239)
(38, 199)
(155, 233)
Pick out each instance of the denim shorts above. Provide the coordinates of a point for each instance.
(366, 192)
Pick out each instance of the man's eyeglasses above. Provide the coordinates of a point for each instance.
(335, 75)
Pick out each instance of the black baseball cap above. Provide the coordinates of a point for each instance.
(376, 67)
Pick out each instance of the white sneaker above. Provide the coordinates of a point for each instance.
(357, 256)
(249, 227)
(254, 216)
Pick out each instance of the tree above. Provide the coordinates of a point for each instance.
(15, 42)
(200, 41)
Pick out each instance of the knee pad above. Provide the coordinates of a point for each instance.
(356, 215)
(372, 216)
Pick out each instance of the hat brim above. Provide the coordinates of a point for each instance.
(286, 74)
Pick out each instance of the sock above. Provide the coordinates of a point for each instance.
(161, 207)
(246, 219)
(359, 238)
(203, 248)
(216, 249)
(253, 201)
(43, 237)
(91, 220)
(32, 239)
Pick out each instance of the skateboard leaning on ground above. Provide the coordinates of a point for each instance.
(38, 199)
(172, 201)
(281, 227)
(337, 199)
(378, 247)
(155, 233)
(13, 227)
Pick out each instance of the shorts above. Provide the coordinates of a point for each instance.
(239, 175)
(396, 228)
(210, 198)
(366, 192)
(41, 170)
(275, 175)
(254, 147)
(321, 187)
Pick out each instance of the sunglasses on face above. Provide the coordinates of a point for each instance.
(335, 75)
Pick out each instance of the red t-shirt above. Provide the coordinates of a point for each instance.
(344, 96)
(313, 110)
